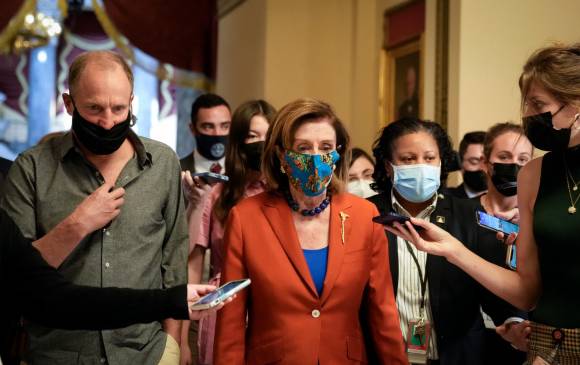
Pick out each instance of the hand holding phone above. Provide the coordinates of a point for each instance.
(499, 225)
(219, 295)
(495, 224)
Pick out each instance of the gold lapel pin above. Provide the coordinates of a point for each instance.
(440, 219)
(343, 217)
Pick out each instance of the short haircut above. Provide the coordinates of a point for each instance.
(206, 101)
(468, 139)
(281, 135)
(103, 59)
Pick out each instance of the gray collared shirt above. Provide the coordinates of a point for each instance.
(145, 247)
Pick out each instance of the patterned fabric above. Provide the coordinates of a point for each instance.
(310, 174)
(542, 343)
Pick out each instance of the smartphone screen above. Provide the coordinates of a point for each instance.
(511, 257)
(223, 292)
(496, 224)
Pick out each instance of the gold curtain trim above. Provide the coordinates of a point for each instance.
(112, 31)
(7, 35)
(63, 6)
(164, 71)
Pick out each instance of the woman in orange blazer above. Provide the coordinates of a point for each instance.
(321, 291)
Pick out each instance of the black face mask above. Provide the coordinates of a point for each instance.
(475, 180)
(540, 131)
(505, 178)
(253, 152)
(211, 147)
(98, 140)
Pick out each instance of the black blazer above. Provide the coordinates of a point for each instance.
(188, 163)
(458, 191)
(455, 297)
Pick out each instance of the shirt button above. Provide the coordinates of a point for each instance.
(103, 360)
(107, 233)
(107, 264)
(315, 313)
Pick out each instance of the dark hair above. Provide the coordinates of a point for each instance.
(470, 138)
(497, 130)
(359, 152)
(281, 136)
(383, 148)
(236, 159)
(206, 101)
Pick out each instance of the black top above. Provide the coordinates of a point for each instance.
(458, 191)
(557, 233)
(33, 288)
(495, 251)
(188, 163)
(455, 297)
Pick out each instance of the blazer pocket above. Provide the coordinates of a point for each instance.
(270, 353)
(355, 349)
(357, 255)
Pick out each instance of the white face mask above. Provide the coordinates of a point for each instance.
(361, 188)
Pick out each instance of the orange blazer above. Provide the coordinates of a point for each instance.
(287, 322)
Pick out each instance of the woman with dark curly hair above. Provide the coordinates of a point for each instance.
(439, 306)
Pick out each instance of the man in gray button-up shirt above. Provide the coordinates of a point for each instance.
(113, 201)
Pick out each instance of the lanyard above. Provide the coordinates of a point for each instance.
(422, 280)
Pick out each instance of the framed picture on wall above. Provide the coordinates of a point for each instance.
(402, 81)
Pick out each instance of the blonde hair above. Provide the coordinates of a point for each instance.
(281, 134)
(102, 58)
(556, 69)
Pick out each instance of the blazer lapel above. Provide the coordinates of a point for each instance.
(339, 220)
(435, 264)
(280, 218)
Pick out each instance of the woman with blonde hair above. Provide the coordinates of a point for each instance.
(319, 266)
(548, 276)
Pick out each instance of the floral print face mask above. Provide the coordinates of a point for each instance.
(309, 174)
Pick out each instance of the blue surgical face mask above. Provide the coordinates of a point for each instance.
(310, 174)
(416, 183)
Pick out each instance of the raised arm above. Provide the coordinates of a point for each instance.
(521, 288)
(94, 212)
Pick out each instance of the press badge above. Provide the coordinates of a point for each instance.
(418, 334)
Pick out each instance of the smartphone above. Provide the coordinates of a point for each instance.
(496, 224)
(220, 294)
(211, 177)
(390, 218)
(510, 258)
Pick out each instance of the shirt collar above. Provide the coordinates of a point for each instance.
(471, 193)
(203, 164)
(68, 146)
(397, 207)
